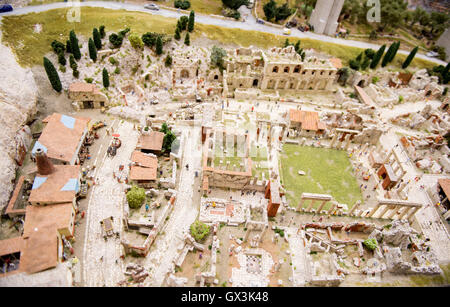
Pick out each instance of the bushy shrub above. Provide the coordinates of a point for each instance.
(58, 47)
(135, 197)
(370, 244)
(88, 80)
(199, 231)
(135, 41)
(182, 4)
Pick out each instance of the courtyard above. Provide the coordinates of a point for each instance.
(327, 171)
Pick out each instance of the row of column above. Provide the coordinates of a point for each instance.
(342, 145)
(311, 204)
(409, 211)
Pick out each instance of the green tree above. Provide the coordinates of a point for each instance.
(92, 50)
(61, 58)
(191, 21)
(388, 55)
(74, 45)
(135, 197)
(370, 244)
(410, 57)
(270, 9)
(168, 61)
(116, 40)
(177, 34)
(52, 75)
(354, 64)
(102, 31)
(365, 63)
(68, 48)
(169, 138)
(187, 40)
(344, 74)
(377, 57)
(234, 4)
(282, 12)
(97, 39)
(135, 41)
(105, 76)
(369, 53)
(73, 63)
(199, 231)
(58, 47)
(159, 45)
(217, 56)
(183, 22)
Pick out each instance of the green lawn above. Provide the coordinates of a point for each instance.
(30, 47)
(328, 171)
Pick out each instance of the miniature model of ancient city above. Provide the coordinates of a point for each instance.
(189, 144)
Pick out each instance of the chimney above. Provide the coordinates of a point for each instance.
(44, 165)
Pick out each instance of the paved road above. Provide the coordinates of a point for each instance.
(250, 23)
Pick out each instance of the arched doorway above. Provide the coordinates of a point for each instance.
(184, 73)
(255, 82)
(361, 83)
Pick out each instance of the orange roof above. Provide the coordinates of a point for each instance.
(12, 201)
(60, 186)
(152, 141)
(11, 246)
(59, 215)
(363, 96)
(83, 87)
(445, 185)
(145, 168)
(61, 136)
(308, 119)
(336, 62)
(40, 250)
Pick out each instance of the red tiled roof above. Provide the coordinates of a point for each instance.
(152, 141)
(308, 119)
(146, 166)
(11, 246)
(445, 185)
(59, 215)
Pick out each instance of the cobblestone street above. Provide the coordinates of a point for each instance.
(102, 265)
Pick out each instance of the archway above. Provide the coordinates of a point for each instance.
(297, 69)
(361, 83)
(184, 73)
(286, 69)
(255, 83)
(275, 69)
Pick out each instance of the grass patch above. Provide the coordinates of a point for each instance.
(30, 47)
(328, 171)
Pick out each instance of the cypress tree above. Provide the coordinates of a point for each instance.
(73, 63)
(410, 57)
(62, 59)
(365, 63)
(52, 75)
(377, 57)
(68, 47)
(177, 34)
(97, 39)
(92, 50)
(388, 55)
(74, 45)
(168, 61)
(105, 78)
(102, 31)
(187, 40)
(159, 46)
(446, 69)
(191, 21)
(394, 52)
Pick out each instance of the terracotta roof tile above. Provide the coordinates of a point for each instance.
(445, 185)
(308, 119)
(58, 187)
(152, 141)
(145, 168)
(10, 246)
(59, 215)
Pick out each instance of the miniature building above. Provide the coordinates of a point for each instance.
(144, 168)
(59, 187)
(324, 17)
(151, 142)
(306, 121)
(273, 194)
(10, 255)
(19, 199)
(87, 95)
(387, 174)
(62, 138)
(444, 193)
(279, 68)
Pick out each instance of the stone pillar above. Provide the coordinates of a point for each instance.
(393, 212)
(411, 214)
(347, 144)
(263, 232)
(385, 209)
(355, 206)
(373, 210)
(300, 204)
(310, 205)
(403, 213)
(364, 147)
(333, 140)
(276, 84)
(332, 208)
(321, 206)
(402, 186)
(247, 233)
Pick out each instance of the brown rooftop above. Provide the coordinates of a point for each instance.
(58, 187)
(11, 246)
(83, 87)
(61, 136)
(308, 119)
(145, 168)
(152, 141)
(445, 185)
(40, 250)
(10, 208)
(59, 215)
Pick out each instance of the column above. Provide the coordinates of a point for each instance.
(247, 233)
(333, 140)
(276, 84)
(373, 210)
(321, 206)
(364, 147)
(300, 204)
(263, 232)
(402, 186)
(355, 206)
(332, 208)
(403, 213)
(385, 209)
(310, 205)
(347, 144)
(411, 214)
(393, 213)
